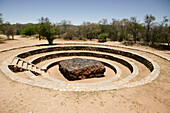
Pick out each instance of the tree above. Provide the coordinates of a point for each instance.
(124, 29)
(1, 20)
(47, 29)
(19, 28)
(165, 30)
(168, 37)
(38, 27)
(102, 37)
(29, 30)
(90, 30)
(149, 23)
(38, 30)
(5, 29)
(8, 30)
(70, 33)
(65, 24)
(58, 30)
(12, 31)
(114, 30)
(155, 34)
(103, 25)
(134, 28)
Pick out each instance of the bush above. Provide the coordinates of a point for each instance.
(66, 36)
(29, 30)
(121, 37)
(82, 38)
(128, 43)
(102, 37)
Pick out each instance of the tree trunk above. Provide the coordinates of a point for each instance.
(135, 38)
(167, 40)
(12, 37)
(7, 36)
(147, 33)
(50, 42)
(39, 37)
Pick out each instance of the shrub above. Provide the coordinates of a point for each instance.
(29, 30)
(121, 37)
(102, 37)
(82, 38)
(66, 36)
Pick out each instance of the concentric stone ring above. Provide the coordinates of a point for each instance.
(38, 76)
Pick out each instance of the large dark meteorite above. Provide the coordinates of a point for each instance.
(79, 68)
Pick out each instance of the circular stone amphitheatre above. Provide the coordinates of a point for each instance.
(40, 67)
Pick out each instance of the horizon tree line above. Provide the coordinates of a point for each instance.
(130, 31)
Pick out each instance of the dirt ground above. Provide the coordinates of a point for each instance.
(153, 97)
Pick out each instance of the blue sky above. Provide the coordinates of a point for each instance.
(77, 11)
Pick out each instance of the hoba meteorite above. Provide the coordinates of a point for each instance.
(80, 68)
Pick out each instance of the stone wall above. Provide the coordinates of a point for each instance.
(139, 58)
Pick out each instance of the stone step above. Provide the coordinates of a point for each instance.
(40, 79)
(30, 67)
(34, 68)
(38, 70)
(20, 63)
(15, 61)
(23, 75)
(30, 75)
(25, 65)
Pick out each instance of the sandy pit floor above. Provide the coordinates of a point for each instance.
(153, 97)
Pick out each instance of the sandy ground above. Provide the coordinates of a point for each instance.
(21, 98)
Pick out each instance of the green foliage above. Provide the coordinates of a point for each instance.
(122, 36)
(103, 24)
(17, 32)
(18, 28)
(90, 30)
(29, 30)
(102, 37)
(134, 28)
(113, 30)
(47, 30)
(127, 30)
